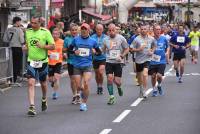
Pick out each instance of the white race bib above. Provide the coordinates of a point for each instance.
(84, 51)
(114, 44)
(156, 58)
(180, 39)
(114, 54)
(54, 56)
(36, 64)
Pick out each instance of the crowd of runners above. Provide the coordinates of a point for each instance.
(101, 49)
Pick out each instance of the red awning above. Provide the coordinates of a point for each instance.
(99, 16)
(57, 4)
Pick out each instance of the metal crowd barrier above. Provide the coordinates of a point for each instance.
(6, 67)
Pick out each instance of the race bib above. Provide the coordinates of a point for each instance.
(114, 54)
(36, 64)
(114, 44)
(54, 56)
(84, 52)
(156, 58)
(180, 39)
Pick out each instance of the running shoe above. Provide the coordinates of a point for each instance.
(120, 91)
(83, 107)
(180, 80)
(111, 100)
(44, 104)
(154, 93)
(55, 96)
(99, 90)
(74, 100)
(160, 90)
(142, 93)
(78, 99)
(145, 95)
(31, 111)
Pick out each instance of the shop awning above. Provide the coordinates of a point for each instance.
(57, 3)
(98, 16)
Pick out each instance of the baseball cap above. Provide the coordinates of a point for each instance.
(85, 25)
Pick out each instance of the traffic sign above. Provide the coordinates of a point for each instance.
(29, 3)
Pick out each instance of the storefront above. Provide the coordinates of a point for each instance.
(149, 11)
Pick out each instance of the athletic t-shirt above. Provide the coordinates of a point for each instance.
(85, 45)
(43, 36)
(159, 53)
(67, 43)
(194, 36)
(148, 42)
(99, 41)
(180, 40)
(114, 48)
(55, 56)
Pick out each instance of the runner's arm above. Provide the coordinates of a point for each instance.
(125, 52)
(98, 51)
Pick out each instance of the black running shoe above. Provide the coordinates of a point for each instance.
(31, 111)
(44, 104)
(74, 100)
(99, 90)
(78, 99)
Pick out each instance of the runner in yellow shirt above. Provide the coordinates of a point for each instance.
(38, 41)
(194, 36)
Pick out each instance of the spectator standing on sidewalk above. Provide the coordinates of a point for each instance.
(14, 36)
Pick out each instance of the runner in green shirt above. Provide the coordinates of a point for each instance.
(38, 41)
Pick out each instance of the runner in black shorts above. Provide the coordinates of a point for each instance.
(179, 43)
(100, 60)
(55, 62)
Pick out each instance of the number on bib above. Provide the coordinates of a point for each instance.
(114, 54)
(156, 58)
(36, 64)
(84, 52)
(54, 56)
(180, 39)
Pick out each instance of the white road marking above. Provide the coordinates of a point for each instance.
(105, 131)
(149, 90)
(121, 116)
(136, 102)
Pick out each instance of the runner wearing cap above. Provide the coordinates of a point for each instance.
(82, 48)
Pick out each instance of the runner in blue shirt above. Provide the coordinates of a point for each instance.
(99, 62)
(158, 62)
(82, 48)
(67, 42)
(179, 43)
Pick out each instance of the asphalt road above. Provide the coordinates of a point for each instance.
(177, 112)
